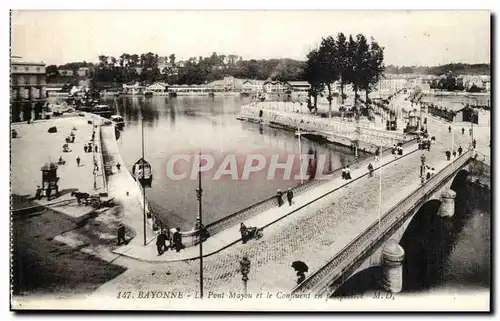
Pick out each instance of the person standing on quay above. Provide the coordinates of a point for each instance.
(460, 150)
(449, 129)
(347, 172)
(279, 195)
(289, 196)
(463, 130)
(78, 161)
(448, 155)
(377, 154)
(161, 240)
(121, 234)
(370, 168)
(177, 240)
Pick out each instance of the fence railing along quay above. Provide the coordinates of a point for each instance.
(328, 276)
(270, 202)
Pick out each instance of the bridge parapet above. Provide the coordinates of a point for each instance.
(331, 275)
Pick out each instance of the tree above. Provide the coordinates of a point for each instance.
(51, 71)
(172, 59)
(328, 57)
(312, 73)
(360, 63)
(374, 67)
(103, 61)
(342, 61)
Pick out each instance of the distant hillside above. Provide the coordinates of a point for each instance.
(459, 68)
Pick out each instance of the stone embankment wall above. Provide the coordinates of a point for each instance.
(337, 130)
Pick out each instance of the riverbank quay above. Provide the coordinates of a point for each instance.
(228, 232)
(34, 146)
(312, 235)
(338, 130)
(58, 245)
(125, 190)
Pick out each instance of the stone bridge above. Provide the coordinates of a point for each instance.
(379, 244)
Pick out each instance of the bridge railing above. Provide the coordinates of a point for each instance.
(270, 202)
(334, 269)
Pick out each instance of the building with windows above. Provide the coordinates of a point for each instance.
(27, 89)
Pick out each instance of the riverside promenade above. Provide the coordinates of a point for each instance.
(125, 190)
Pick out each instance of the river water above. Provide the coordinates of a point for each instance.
(188, 124)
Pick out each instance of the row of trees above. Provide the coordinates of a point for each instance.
(458, 68)
(149, 67)
(352, 61)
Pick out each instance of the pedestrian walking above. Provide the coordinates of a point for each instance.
(428, 145)
(118, 166)
(96, 150)
(161, 240)
(454, 154)
(460, 150)
(394, 150)
(177, 240)
(121, 234)
(449, 129)
(377, 154)
(85, 148)
(343, 172)
(279, 196)
(370, 169)
(473, 143)
(78, 161)
(470, 131)
(463, 130)
(448, 155)
(289, 196)
(428, 171)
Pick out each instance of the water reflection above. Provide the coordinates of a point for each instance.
(188, 124)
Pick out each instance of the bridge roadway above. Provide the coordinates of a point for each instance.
(313, 235)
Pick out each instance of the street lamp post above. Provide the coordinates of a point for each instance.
(245, 269)
(199, 192)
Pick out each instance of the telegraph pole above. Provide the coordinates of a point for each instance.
(199, 193)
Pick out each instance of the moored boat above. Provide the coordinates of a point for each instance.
(118, 120)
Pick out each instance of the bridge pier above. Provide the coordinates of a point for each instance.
(447, 208)
(392, 267)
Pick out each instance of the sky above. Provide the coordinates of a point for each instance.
(410, 37)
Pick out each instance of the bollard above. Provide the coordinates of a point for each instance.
(392, 267)
(447, 208)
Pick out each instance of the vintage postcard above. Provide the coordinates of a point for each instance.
(250, 160)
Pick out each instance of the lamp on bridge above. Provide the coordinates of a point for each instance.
(245, 269)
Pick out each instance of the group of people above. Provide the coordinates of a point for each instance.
(429, 172)
(88, 148)
(346, 172)
(247, 232)
(448, 153)
(48, 192)
(289, 196)
(397, 149)
(175, 241)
